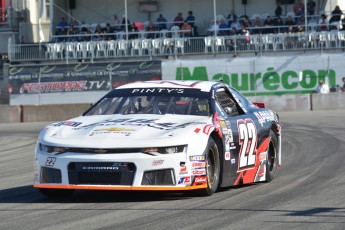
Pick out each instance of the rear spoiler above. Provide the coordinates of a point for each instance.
(259, 104)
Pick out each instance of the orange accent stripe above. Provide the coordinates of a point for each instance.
(128, 188)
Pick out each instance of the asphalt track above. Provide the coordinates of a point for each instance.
(307, 193)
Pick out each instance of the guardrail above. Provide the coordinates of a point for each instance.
(177, 46)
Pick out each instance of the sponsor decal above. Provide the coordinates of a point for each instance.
(264, 116)
(183, 170)
(199, 172)
(157, 162)
(233, 161)
(115, 129)
(200, 180)
(261, 171)
(222, 124)
(198, 164)
(227, 156)
(50, 87)
(157, 90)
(262, 156)
(197, 130)
(50, 161)
(67, 123)
(184, 180)
(196, 158)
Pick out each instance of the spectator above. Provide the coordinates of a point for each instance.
(98, 33)
(117, 23)
(322, 88)
(336, 15)
(161, 22)
(108, 30)
(62, 22)
(213, 28)
(70, 32)
(237, 25)
(278, 11)
(231, 17)
(223, 27)
(301, 21)
(257, 23)
(279, 25)
(74, 22)
(191, 21)
(123, 23)
(311, 7)
(186, 26)
(246, 22)
(323, 23)
(269, 24)
(178, 20)
(61, 33)
(343, 24)
(343, 88)
(289, 21)
(150, 28)
(298, 8)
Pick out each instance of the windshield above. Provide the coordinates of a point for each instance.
(151, 104)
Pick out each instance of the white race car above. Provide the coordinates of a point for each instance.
(163, 136)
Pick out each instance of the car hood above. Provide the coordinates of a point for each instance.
(124, 130)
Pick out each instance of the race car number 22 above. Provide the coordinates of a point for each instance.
(50, 161)
(247, 138)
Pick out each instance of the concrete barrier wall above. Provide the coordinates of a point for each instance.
(329, 101)
(301, 102)
(10, 114)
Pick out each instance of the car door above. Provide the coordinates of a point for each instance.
(239, 130)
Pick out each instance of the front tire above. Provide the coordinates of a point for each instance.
(272, 160)
(212, 168)
(56, 192)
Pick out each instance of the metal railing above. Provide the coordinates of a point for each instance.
(178, 46)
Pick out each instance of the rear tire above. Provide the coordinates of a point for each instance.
(56, 192)
(271, 160)
(212, 168)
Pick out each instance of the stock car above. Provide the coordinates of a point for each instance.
(189, 136)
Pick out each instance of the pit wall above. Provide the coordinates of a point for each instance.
(284, 103)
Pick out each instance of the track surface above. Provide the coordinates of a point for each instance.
(307, 193)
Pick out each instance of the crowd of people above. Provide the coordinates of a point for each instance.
(295, 22)
(323, 87)
(71, 31)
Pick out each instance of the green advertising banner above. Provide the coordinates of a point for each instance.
(262, 75)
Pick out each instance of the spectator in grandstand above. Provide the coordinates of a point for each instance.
(336, 15)
(151, 29)
(123, 23)
(343, 24)
(231, 17)
(323, 23)
(108, 31)
(246, 22)
(161, 22)
(71, 32)
(236, 24)
(301, 21)
(191, 21)
(290, 23)
(257, 23)
(311, 7)
(116, 23)
(269, 24)
(134, 31)
(343, 88)
(298, 8)
(188, 29)
(61, 32)
(223, 27)
(62, 22)
(178, 20)
(73, 22)
(322, 88)
(278, 25)
(278, 11)
(213, 28)
(99, 34)
(335, 88)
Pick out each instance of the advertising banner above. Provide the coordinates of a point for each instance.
(44, 79)
(276, 75)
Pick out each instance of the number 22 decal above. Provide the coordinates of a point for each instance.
(247, 140)
(50, 161)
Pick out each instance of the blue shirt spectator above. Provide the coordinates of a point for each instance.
(161, 22)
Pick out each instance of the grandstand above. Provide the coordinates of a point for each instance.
(31, 36)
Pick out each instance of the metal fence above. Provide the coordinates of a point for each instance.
(178, 46)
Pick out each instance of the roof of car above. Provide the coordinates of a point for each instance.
(202, 85)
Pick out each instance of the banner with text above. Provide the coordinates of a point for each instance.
(32, 79)
(276, 75)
